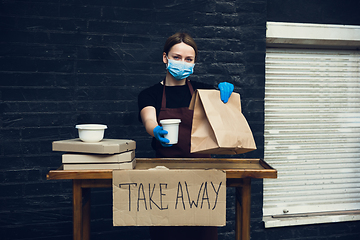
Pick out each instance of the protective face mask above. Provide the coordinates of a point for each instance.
(179, 69)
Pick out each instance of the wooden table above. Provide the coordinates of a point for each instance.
(238, 174)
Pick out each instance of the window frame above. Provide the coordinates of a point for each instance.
(319, 36)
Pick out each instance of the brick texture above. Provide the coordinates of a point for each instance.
(68, 62)
(65, 62)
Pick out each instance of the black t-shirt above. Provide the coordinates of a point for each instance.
(176, 96)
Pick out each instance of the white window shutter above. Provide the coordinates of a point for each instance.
(312, 130)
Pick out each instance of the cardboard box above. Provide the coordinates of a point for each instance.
(169, 197)
(98, 158)
(106, 146)
(99, 166)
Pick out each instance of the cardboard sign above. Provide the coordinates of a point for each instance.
(169, 197)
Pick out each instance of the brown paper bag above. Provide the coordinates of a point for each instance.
(219, 128)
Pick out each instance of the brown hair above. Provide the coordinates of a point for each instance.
(179, 38)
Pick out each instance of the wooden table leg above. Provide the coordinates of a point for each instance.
(246, 211)
(242, 208)
(81, 211)
(238, 214)
(77, 210)
(86, 213)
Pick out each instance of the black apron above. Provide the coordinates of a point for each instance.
(180, 150)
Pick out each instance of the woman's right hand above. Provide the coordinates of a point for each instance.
(159, 133)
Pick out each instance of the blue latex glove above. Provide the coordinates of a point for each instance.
(225, 91)
(159, 133)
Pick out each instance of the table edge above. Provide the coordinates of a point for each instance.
(267, 172)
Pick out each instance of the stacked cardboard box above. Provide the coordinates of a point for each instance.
(106, 154)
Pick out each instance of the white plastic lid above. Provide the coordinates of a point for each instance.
(170, 121)
(91, 126)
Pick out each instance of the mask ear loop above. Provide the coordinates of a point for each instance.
(167, 65)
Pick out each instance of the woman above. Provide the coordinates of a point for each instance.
(170, 99)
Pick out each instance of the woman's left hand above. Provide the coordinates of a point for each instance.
(225, 91)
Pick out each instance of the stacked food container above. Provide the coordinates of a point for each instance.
(89, 152)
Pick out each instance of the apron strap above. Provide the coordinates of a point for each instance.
(163, 101)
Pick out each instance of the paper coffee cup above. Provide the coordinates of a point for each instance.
(172, 127)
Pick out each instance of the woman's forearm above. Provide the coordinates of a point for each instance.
(148, 117)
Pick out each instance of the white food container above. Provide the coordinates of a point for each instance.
(91, 132)
(172, 126)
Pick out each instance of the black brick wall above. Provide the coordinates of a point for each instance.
(64, 62)
(314, 11)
